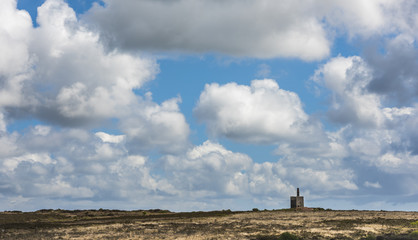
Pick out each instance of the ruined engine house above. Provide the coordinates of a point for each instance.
(296, 201)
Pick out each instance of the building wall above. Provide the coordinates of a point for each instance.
(296, 202)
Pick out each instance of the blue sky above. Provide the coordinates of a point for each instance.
(203, 105)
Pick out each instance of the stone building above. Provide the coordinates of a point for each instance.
(296, 201)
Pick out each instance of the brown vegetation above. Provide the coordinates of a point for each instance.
(160, 224)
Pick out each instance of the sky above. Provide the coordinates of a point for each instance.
(192, 105)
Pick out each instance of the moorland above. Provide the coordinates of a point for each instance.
(257, 224)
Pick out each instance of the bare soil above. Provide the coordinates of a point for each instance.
(254, 225)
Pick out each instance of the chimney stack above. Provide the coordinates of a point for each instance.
(297, 192)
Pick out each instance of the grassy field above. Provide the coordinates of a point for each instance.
(256, 225)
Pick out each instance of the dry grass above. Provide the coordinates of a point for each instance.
(157, 224)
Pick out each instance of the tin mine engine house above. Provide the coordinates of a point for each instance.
(296, 201)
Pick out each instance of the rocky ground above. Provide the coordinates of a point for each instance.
(160, 224)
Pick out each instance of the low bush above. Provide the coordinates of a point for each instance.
(288, 236)
(283, 236)
(369, 237)
(272, 237)
(414, 235)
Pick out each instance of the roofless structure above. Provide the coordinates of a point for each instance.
(296, 201)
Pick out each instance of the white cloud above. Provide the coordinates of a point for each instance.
(7, 144)
(395, 71)
(209, 169)
(372, 184)
(212, 170)
(359, 17)
(109, 138)
(379, 136)
(397, 163)
(62, 73)
(2, 123)
(72, 166)
(41, 130)
(390, 149)
(82, 78)
(348, 78)
(66, 77)
(374, 17)
(80, 165)
(15, 29)
(268, 179)
(157, 125)
(59, 188)
(260, 113)
(15, 35)
(11, 164)
(319, 166)
(261, 29)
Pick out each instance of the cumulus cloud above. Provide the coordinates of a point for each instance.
(62, 68)
(376, 135)
(80, 165)
(384, 153)
(320, 165)
(15, 35)
(390, 150)
(2, 123)
(369, 20)
(260, 113)
(261, 29)
(209, 170)
(15, 28)
(396, 71)
(78, 78)
(272, 29)
(65, 76)
(75, 164)
(110, 138)
(351, 102)
(162, 126)
(390, 27)
(361, 17)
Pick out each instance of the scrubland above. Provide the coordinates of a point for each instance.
(161, 224)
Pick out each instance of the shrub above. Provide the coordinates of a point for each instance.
(288, 236)
(370, 237)
(414, 235)
(255, 210)
(267, 238)
(283, 236)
